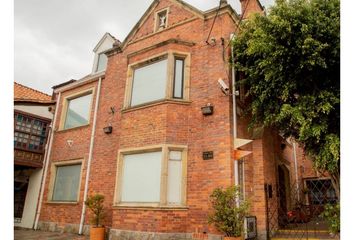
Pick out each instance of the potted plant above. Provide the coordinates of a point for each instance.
(95, 204)
(228, 216)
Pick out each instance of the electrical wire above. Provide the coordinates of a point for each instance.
(212, 26)
(239, 22)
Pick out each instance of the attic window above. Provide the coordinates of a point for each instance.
(101, 62)
(161, 20)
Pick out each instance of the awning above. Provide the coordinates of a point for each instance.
(239, 142)
(238, 154)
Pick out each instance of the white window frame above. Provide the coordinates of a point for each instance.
(165, 149)
(171, 56)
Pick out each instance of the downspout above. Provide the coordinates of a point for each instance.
(234, 115)
(296, 173)
(90, 158)
(47, 157)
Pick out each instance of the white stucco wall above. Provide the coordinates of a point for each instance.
(29, 211)
(37, 110)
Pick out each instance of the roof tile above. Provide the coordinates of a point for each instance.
(23, 93)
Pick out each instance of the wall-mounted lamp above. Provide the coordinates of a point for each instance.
(207, 110)
(108, 129)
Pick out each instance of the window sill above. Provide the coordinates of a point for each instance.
(150, 207)
(74, 128)
(64, 203)
(155, 103)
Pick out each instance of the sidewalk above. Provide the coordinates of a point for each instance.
(40, 235)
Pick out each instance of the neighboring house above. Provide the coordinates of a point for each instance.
(32, 119)
(151, 130)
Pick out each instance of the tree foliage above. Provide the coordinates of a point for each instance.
(291, 63)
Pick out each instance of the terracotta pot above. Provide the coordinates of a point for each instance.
(232, 238)
(97, 233)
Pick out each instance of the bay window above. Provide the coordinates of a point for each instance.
(153, 176)
(141, 177)
(158, 78)
(149, 82)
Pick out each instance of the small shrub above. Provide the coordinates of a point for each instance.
(332, 215)
(227, 216)
(95, 204)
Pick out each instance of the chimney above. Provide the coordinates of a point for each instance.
(243, 6)
(250, 7)
(223, 3)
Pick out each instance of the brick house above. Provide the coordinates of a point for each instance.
(134, 130)
(31, 128)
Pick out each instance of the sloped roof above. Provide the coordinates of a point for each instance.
(27, 94)
(107, 34)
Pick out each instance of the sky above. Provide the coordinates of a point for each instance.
(54, 39)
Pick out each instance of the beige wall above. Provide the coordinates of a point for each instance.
(36, 110)
(29, 210)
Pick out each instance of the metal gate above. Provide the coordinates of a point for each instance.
(294, 211)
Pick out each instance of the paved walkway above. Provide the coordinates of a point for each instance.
(41, 235)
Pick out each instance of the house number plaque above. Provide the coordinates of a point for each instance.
(208, 155)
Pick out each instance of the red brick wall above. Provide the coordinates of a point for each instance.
(171, 123)
(61, 151)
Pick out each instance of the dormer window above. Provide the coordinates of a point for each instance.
(161, 20)
(101, 62)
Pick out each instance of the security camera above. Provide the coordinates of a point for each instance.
(223, 86)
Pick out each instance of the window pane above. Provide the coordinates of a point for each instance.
(67, 183)
(178, 79)
(101, 62)
(78, 112)
(149, 83)
(141, 177)
(174, 186)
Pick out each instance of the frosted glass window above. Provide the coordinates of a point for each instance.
(66, 184)
(101, 62)
(78, 111)
(142, 177)
(174, 187)
(178, 79)
(149, 83)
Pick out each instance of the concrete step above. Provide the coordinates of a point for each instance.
(298, 234)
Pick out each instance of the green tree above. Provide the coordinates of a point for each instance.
(290, 60)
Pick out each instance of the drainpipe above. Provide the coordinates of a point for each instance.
(46, 159)
(90, 158)
(234, 115)
(296, 174)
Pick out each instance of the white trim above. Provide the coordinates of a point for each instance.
(296, 173)
(90, 157)
(106, 35)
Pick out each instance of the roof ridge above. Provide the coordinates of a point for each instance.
(32, 89)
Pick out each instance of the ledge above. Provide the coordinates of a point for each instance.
(152, 208)
(155, 103)
(64, 203)
(70, 129)
(163, 43)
